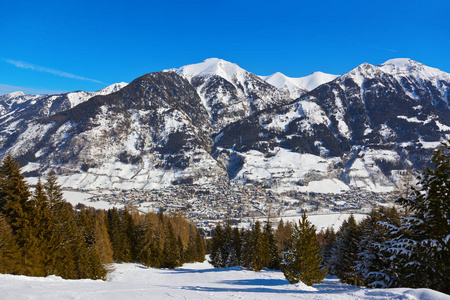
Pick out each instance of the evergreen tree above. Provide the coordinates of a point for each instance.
(272, 250)
(260, 245)
(53, 190)
(283, 235)
(14, 195)
(328, 240)
(102, 240)
(116, 234)
(421, 247)
(345, 252)
(371, 258)
(228, 249)
(9, 251)
(302, 261)
(129, 236)
(38, 234)
(247, 248)
(215, 257)
(171, 252)
(237, 245)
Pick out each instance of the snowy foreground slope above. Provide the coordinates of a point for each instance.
(193, 281)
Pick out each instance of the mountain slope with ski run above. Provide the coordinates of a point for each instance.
(194, 281)
(215, 121)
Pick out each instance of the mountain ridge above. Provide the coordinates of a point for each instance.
(214, 121)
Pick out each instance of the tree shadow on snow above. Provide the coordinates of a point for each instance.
(265, 282)
(209, 270)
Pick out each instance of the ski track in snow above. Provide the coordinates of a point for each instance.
(193, 281)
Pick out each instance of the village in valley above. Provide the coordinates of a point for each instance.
(239, 203)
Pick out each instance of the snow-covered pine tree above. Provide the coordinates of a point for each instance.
(371, 258)
(302, 261)
(421, 248)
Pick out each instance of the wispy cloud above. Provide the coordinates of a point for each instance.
(25, 65)
(390, 50)
(6, 88)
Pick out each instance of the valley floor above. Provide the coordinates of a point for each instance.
(193, 281)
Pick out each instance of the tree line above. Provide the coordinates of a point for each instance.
(41, 234)
(386, 249)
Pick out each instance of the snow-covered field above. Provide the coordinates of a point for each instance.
(193, 281)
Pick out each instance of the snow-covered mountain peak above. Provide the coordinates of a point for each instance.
(312, 81)
(112, 88)
(78, 97)
(407, 66)
(14, 94)
(211, 66)
(278, 80)
(298, 86)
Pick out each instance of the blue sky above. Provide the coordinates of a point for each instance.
(59, 46)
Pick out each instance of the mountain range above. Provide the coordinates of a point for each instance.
(214, 122)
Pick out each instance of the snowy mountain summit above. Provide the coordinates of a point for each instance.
(213, 67)
(214, 121)
(296, 87)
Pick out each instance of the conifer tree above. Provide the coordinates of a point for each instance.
(421, 247)
(171, 253)
(53, 190)
(228, 250)
(215, 257)
(302, 261)
(36, 250)
(283, 235)
(116, 235)
(345, 252)
(272, 250)
(9, 251)
(237, 245)
(328, 240)
(129, 236)
(260, 245)
(247, 248)
(102, 240)
(371, 258)
(14, 195)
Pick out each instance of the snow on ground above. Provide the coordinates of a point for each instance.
(193, 281)
(323, 221)
(75, 197)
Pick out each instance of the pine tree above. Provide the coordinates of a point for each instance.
(215, 257)
(39, 233)
(247, 248)
(237, 245)
(372, 258)
(272, 250)
(14, 195)
(421, 248)
(9, 251)
(116, 234)
(53, 190)
(228, 249)
(102, 240)
(328, 240)
(260, 245)
(345, 252)
(302, 261)
(283, 235)
(171, 252)
(17, 211)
